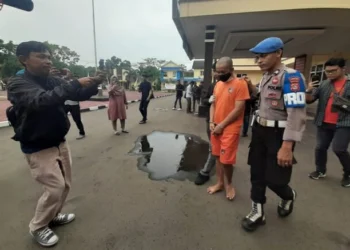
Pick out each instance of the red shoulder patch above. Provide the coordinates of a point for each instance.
(294, 84)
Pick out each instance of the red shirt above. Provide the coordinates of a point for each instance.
(332, 117)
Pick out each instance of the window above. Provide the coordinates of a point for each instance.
(174, 74)
(165, 74)
(202, 73)
(241, 75)
(319, 71)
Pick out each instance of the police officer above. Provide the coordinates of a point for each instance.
(277, 125)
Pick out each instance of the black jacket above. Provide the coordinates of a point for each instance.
(205, 100)
(38, 107)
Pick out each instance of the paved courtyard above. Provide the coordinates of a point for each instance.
(118, 207)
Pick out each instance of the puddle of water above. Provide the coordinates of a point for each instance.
(166, 155)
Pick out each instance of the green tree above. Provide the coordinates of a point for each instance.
(9, 64)
(109, 67)
(101, 64)
(62, 56)
(79, 70)
(150, 72)
(115, 62)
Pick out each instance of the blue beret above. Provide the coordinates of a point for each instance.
(19, 73)
(268, 45)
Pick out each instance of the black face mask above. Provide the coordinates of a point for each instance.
(225, 77)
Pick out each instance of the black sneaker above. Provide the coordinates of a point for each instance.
(285, 207)
(317, 175)
(255, 218)
(142, 122)
(62, 219)
(201, 179)
(45, 237)
(345, 182)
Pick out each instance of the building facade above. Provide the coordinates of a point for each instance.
(171, 72)
(312, 30)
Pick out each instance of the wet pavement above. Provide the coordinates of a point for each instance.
(119, 208)
(166, 155)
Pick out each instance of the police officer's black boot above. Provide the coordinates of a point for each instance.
(255, 218)
(285, 207)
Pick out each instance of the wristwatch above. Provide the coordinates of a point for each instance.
(308, 91)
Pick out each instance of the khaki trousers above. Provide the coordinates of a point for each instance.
(52, 169)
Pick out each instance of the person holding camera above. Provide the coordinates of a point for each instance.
(40, 124)
(332, 118)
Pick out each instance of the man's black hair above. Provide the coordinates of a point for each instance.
(336, 62)
(25, 48)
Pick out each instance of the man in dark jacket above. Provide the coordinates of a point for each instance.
(204, 175)
(179, 93)
(41, 124)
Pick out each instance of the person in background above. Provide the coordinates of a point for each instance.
(146, 91)
(40, 124)
(249, 105)
(179, 93)
(117, 105)
(333, 125)
(226, 120)
(197, 91)
(73, 106)
(194, 97)
(189, 96)
(204, 175)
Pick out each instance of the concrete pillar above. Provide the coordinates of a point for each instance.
(208, 62)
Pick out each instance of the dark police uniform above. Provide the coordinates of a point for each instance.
(281, 116)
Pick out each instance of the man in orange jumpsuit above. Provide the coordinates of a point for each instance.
(226, 119)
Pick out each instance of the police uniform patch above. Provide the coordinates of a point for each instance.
(294, 84)
(294, 90)
(230, 90)
(275, 80)
(274, 103)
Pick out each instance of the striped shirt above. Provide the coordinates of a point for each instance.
(322, 94)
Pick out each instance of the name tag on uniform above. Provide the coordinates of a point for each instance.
(272, 87)
(294, 100)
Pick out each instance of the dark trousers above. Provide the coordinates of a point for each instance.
(76, 115)
(341, 138)
(143, 109)
(211, 160)
(264, 169)
(189, 105)
(178, 99)
(245, 124)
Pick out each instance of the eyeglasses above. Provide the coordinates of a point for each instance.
(331, 71)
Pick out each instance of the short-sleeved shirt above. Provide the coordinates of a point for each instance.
(145, 88)
(226, 94)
